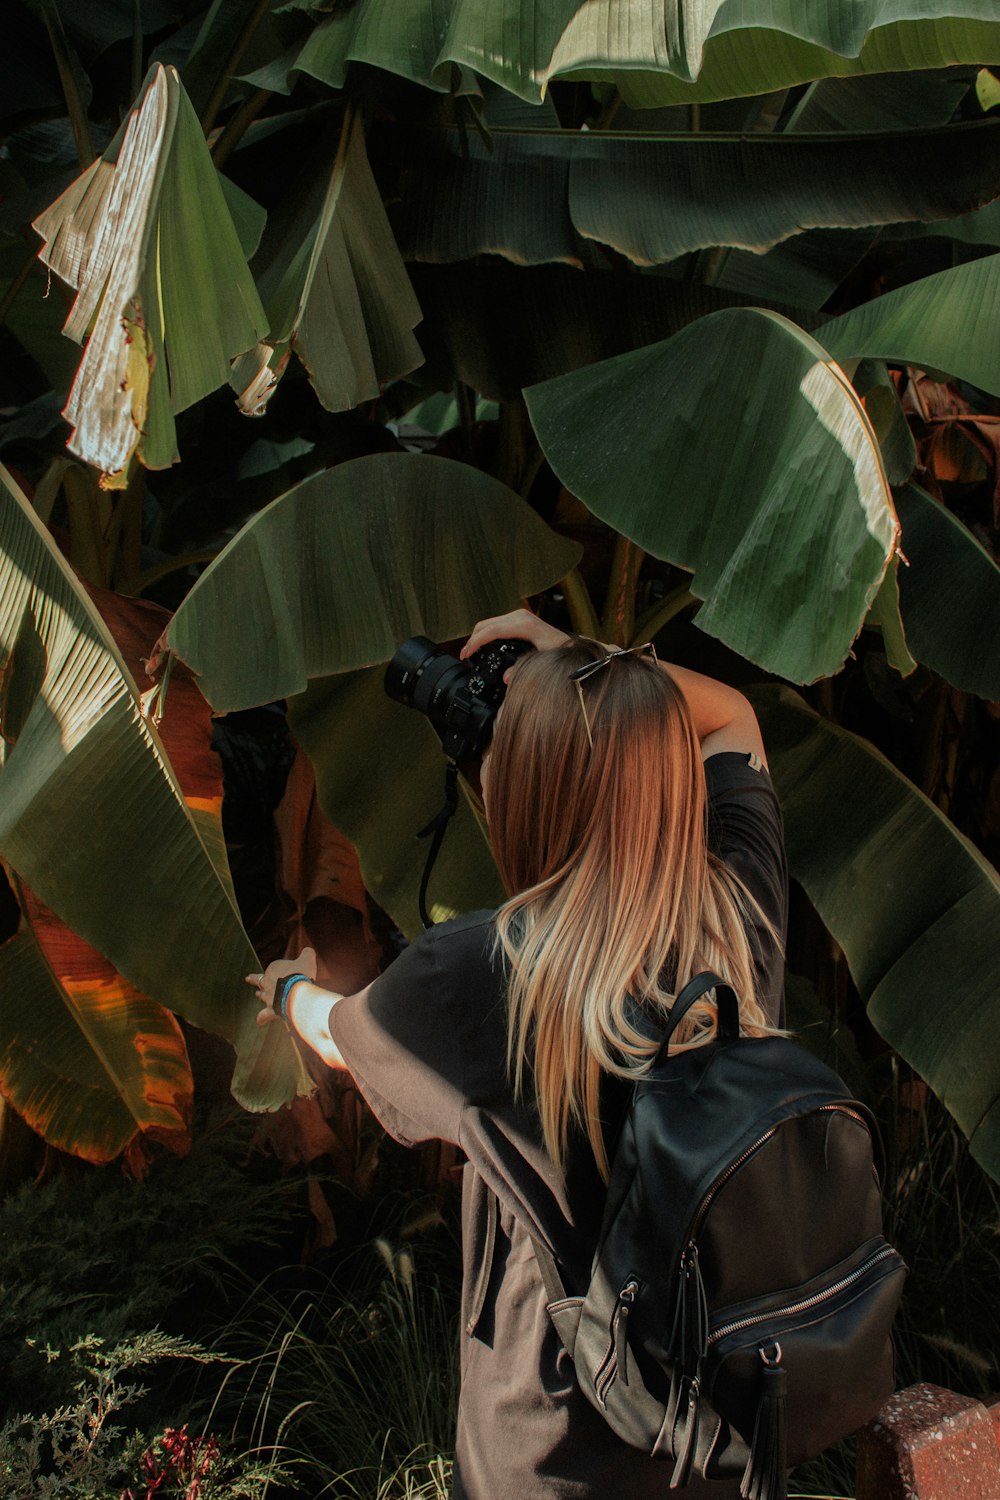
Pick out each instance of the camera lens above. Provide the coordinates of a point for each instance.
(460, 699)
(406, 671)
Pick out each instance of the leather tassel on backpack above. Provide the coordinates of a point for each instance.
(765, 1477)
(689, 1334)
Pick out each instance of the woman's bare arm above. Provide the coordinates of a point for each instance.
(723, 718)
(308, 1007)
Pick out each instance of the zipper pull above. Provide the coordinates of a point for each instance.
(685, 1451)
(765, 1476)
(619, 1327)
(689, 1334)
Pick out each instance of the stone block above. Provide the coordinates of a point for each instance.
(930, 1444)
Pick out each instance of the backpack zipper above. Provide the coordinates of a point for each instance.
(792, 1309)
(745, 1156)
(615, 1360)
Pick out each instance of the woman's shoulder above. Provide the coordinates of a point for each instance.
(469, 927)
(730, 770)
(464, 942)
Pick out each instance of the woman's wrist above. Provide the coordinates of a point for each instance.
(283, 994)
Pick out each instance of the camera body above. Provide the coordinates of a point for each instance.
(460, 698)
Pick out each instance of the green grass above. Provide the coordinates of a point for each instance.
(353, 1377)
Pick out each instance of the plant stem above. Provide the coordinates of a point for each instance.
(465, 399)
(661, 613)
(218, 94)
(608, 113)
(67, 77)
(228, 139)
(517, 445)
(619, 605)
(823, 700)
(582, 615)
(711, 264)
(929, 727)
(127, 555)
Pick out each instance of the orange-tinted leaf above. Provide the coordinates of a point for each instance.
(131, 1074)
(153, 1084)
(315, 859)
(322, 902)
(954, 456)
(186, 725)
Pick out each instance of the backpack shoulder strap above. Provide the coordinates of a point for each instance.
(729, 1010)
(555, 1291)
(729, 1030)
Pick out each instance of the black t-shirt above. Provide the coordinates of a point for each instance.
(427, 1046)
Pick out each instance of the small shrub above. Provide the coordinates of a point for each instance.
(82, 1450)
(93, 1254)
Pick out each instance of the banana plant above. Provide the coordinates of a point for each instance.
(148, 238)
(94, 822)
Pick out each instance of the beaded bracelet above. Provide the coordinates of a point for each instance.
(281, 999)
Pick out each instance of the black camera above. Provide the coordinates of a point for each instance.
(460, 698)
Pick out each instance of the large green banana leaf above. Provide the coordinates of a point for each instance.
(85, 1058)
(949, 595)
(947, 321)
(879, 102)
(915, 907)
(776, 44)
(380, 779)
(981, 227)
(736, 449)
(805, 270)
(808, 268)
(93, 819)
(332, 577)
(335, 574)
(165, 299)
(527, 195)
(336, 290)
(650, 49)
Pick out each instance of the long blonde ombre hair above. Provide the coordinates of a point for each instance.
(602, 849)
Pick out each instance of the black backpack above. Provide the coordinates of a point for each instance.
(742, 1295)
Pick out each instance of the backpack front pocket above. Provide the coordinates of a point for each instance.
(831, 1337)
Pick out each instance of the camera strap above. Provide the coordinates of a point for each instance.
(437, 827)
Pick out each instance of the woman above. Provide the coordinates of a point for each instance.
(513, 1034)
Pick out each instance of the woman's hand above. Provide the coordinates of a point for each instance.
(265, 985)
(519, 625)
